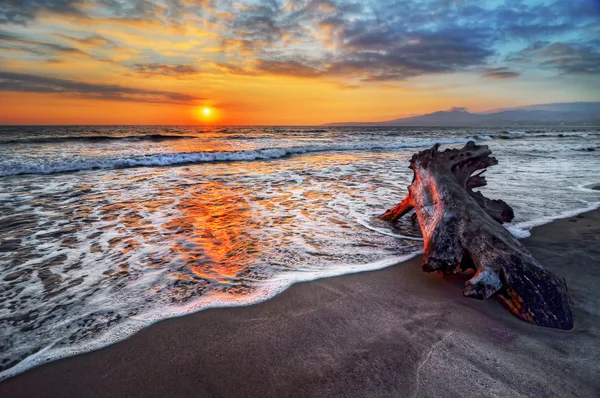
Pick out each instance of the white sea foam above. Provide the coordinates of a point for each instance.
(483, 138)
(134, 324)
(167, 159)
(522, 230)
(365, 223)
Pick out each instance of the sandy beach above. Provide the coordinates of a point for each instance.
(395, 332)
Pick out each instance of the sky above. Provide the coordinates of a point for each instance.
(289, 62)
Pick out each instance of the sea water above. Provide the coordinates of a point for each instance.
(106, 230)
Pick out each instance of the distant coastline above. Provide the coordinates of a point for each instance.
(584, 114)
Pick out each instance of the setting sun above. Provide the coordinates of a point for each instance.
(207, 114)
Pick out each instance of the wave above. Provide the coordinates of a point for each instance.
(308, 131)
(522, 229)
(510, 136)
(515, 135)
(168, 159)
(133, 324)
(481, 137)
(97, 138)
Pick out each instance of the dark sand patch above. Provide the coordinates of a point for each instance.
(397, 332)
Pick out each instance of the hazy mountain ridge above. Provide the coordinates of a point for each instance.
(568, 113)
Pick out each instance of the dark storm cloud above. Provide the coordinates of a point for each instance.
(21, 82)
(164, 70)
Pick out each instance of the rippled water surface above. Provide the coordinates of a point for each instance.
(105, 230)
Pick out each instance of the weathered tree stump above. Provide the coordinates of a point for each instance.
(462, 229)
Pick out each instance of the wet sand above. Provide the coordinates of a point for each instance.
(396, 332)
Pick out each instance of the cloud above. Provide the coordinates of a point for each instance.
(543, 19)
(499, 73)
(25, 11)
(287, 68)
(385, 41)
(171, 11)
(241, 46)
(377, 57)
(374, 58)
(396, 40)
(90, 41)
(36, 47)
(164, 70)
(21, 82)
(572, 58)
(23, 49)
(236, 69)
(342, 40)
(575, 58)
(262, 22)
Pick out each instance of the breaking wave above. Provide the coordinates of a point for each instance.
(167, 159)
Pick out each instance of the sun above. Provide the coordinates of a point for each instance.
(206, 114)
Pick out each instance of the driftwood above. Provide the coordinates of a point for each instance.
(462, 229)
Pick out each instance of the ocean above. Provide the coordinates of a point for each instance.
(106, 230)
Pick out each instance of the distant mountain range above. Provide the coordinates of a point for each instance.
(569, 113)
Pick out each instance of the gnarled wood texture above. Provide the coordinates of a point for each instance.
(462, 229)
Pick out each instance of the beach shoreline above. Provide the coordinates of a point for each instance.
(390, 332)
